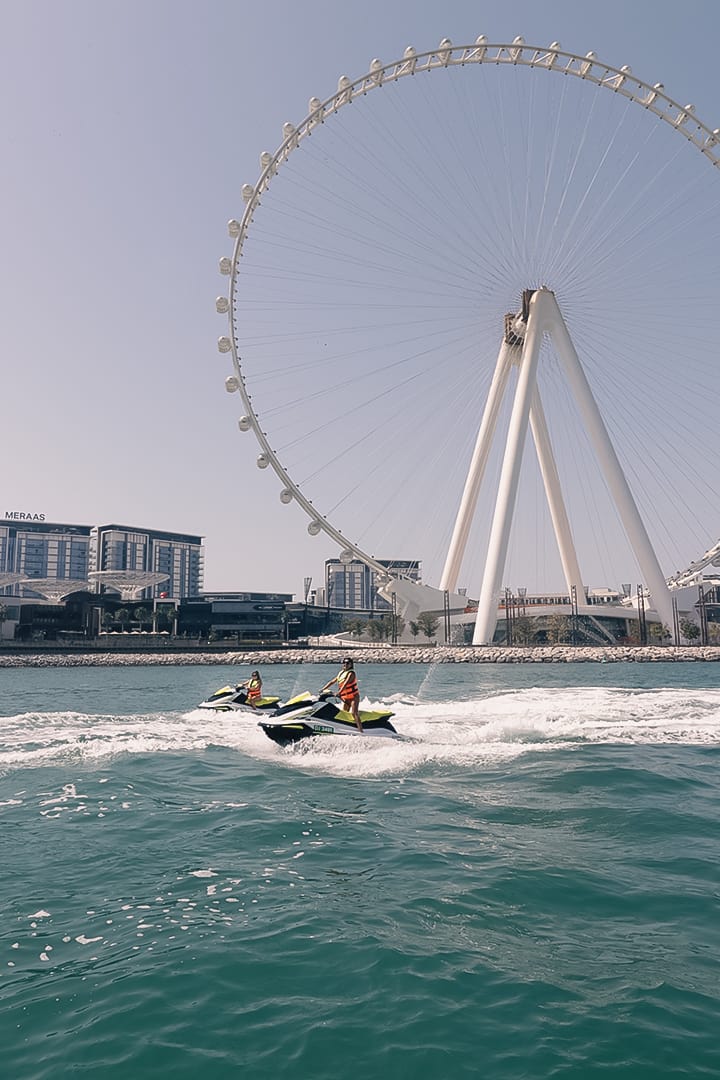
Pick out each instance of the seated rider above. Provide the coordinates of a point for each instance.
(254, 688)
(348, 690)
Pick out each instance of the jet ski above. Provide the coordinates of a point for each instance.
(326, 718)
(234, 699)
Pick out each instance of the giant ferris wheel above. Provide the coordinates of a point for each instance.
(472, 320)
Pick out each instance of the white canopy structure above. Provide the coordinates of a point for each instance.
(129, 583)
(53, 588)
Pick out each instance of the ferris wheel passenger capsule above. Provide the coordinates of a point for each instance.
(314, 528)
(314, 104)
(225, 265)
(516, 52)
(345, 556)
(232, 384)
(286, 496)
(262, 461)
(247, 191)
(222, 305)
(244, 423)
(265, 159)
(233, 228)
(445, 50)
(224, 344)
(409, 53)
(288, 130)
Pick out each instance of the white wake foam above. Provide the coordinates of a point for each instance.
(462, 733)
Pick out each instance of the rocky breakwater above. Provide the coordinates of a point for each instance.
(381, 654)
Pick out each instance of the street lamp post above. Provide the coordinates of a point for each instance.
(703, 616)
(574, 614)
(642, 623)
(676, 621)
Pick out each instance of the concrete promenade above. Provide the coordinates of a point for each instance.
(380, 654)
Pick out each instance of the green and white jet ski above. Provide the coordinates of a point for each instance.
(234, 699)
(325, 718)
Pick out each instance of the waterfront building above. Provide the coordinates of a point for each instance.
(42, 549)
(236, 616)
(53, 552)
(353, 586)
(177, 555)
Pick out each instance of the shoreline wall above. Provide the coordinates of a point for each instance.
(486, 654)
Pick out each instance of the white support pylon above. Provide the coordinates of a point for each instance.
(608, 460)
(544, 317)
(553, 493)
(510, 473)
(463, 521)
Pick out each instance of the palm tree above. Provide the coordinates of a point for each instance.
(658, 632)
(558, 628)
(354, 627)
(427, 623)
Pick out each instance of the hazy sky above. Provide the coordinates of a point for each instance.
(129, 128)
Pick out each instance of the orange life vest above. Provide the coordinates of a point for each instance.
(347, 686)
(254, 690)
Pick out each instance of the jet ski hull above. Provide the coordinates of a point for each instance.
(327, 719)
(234, 699)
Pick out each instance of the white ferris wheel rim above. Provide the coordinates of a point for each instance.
(587, 68)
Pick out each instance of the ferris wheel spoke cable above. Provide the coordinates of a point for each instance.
(587, 224)
(429, 211)
(434, 258)
(443, 258)
(348, 412)
(550, 167)
(362, 377)
(394, 499)
(600, 230)
(436, 208)
(639, 435)
(667, 220)
(319, 363)
(639, 452)
(499, 211)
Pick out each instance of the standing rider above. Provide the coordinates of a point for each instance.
(253, 687)
(348, 690)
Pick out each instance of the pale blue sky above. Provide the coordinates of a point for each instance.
(128, 131)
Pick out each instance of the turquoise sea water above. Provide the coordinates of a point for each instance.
(525, 886)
